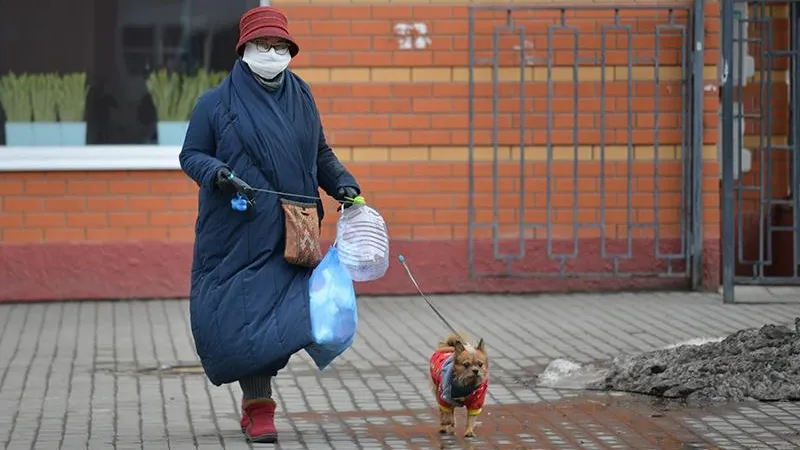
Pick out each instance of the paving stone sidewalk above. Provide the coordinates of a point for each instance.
(86, 375)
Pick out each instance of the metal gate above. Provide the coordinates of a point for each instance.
(760, 48)
(584, 148)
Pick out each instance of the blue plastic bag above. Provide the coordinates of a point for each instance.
(334, 315)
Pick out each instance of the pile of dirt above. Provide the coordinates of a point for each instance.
(756, 363)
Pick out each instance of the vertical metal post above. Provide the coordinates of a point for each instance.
(471, 152)
(697, 143)
(794, 129)
(728, 238)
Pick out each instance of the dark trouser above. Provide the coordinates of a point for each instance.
(260, 386)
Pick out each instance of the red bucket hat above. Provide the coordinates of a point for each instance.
(264, 22)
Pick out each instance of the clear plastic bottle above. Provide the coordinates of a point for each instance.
(363, 242)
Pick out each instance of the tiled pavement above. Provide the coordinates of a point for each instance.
(81, 375)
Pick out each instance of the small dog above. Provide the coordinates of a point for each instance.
(459, 376)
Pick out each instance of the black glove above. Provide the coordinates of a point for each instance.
(230, 184)
(345, 196)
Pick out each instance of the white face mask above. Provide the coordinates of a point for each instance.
(268, 64)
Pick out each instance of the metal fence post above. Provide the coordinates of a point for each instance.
(728, 237)
(697, 143)
(471, 144)
(794, 129)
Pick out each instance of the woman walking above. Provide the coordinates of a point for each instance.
(258, 130)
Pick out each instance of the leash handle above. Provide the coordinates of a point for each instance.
(402, 260)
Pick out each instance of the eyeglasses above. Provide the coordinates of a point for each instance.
(281, 47)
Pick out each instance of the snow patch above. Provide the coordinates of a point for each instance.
(566, 374)
(696, 341)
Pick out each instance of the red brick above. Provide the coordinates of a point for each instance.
(45, 220)
(105, 234)
(128, 219)
(20, 204)
(113, 203)
(182, 186)
(36, 187)
(452, 216)
(87, 220)
(172, 219)
(150, 203)
(19, 236)
(87, 187)
(392, 138)
(11, 220)
(351, 106)
(432, 232)
(67, 204)
(183, 203)
(128, 187)
(64, 234)
(391, 105)
(185, 234)
(11, 188)
(296, 13)
(390, 201)
(148, 234)
(393, 170)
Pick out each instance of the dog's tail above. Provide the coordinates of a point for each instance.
(452, 340)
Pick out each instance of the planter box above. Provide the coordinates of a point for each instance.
(45, 134)
(19, 134)
(172, 133)
(72, 134)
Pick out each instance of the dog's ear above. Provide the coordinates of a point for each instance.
(459, 347)
(481, 347)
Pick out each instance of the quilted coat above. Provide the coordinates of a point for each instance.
(248, 306)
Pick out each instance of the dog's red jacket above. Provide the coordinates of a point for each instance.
(473, 402)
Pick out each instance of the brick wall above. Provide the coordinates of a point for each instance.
(398, 118)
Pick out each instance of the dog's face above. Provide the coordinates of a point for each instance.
(470, 363)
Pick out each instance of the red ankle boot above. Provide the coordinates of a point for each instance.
(261, 421)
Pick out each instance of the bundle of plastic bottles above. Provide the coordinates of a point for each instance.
(363, 242)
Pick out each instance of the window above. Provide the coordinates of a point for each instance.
(118, 44)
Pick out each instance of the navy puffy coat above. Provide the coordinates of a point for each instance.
(248, 306)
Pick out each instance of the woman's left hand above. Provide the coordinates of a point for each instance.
(346, 194)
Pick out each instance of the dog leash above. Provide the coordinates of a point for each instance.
(402, 260)
(239, 203)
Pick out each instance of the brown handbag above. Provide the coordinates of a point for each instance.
(301, 223)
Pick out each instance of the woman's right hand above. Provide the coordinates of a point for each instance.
(229, 183)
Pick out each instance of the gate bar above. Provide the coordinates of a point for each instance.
(697, 144)
(471, 143)
(794, 130)
(728, 237)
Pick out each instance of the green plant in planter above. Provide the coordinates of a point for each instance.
(215, 78)
(15, 97)
(191, 89)
(165, 88)
(44, 92)
(71, 97)
(175, 96)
